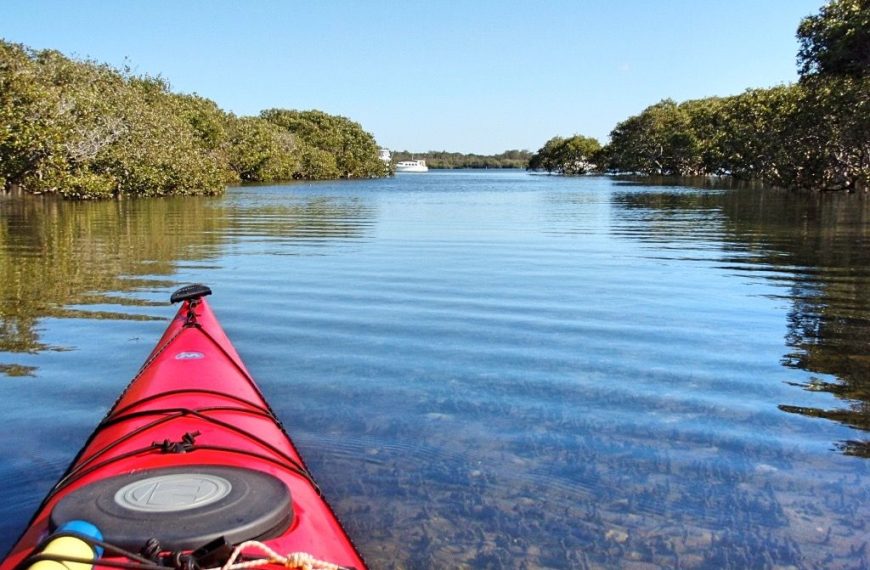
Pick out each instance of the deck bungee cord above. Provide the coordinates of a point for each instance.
(185, 444)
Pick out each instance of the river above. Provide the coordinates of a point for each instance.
(486, 369)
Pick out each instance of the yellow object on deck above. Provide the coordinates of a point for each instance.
(67, 548)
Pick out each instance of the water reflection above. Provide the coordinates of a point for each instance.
(88, 260)
(503, 371)
(817, 244)
(297, 219)
(58, 258)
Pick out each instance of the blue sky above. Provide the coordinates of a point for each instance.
(474, 76)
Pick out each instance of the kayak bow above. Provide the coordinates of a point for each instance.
(190, 463)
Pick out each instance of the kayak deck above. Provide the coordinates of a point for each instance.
(194, 408)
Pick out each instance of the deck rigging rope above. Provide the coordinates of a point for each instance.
(294, 560)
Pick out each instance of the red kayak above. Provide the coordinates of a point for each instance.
(190, 469)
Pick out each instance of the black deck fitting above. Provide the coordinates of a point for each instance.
(194, 291)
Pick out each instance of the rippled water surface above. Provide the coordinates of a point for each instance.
(487, 370)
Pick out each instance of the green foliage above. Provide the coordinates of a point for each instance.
(318, 164)
(29, 130)
(450, 160)
(706, 123)
(836, 41)
(208, 121)
(159, 152)
(260, 151)
(544, 159)
(830, 138)
(813, 135)
(833, 117)
(660, 141)
(85, 130)
(756, 127)
(329, 146)
(572, 156)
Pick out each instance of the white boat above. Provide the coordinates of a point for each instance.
(412, 166)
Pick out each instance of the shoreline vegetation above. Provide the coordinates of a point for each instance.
(84, 130)
(454, 160)
(814, 134)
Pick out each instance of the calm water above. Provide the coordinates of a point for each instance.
(487, 370)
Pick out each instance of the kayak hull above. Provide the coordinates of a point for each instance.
(194, 407)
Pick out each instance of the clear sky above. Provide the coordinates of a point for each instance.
(467, 76)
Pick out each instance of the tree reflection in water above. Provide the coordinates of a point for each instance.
(820, 245)
(68, 259)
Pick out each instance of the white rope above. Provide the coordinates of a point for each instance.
(294, 560)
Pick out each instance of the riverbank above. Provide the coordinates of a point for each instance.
(813, 135)
(443, 160)
(81, 129)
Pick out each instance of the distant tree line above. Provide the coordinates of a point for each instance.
(814, 134)
(447, 160)
(86, 130)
